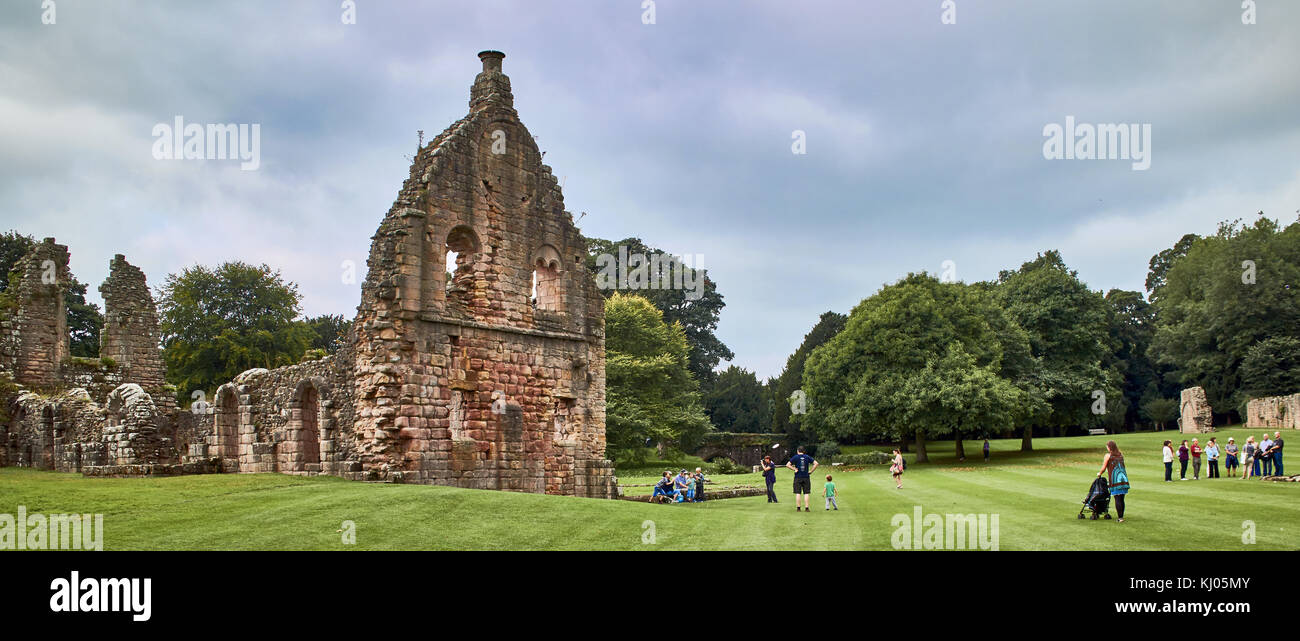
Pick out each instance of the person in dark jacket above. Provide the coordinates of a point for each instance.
(769, 476)
(699, 485)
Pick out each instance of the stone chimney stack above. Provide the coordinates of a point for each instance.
(491, 85)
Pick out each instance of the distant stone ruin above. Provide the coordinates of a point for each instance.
(1280, 412)
(1195, 416)
(491, 378)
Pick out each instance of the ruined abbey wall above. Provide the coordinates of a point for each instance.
(1281, 412)
(490, 378)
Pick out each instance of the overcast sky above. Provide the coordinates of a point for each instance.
(924, 140)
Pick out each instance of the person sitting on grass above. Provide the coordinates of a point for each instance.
(679, 486)
(829, 492)
(664, 489)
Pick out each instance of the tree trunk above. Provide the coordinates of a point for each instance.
(921, 456)
(961, 451)
(1027, 440)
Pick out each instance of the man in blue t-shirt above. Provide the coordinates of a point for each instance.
(803, 466)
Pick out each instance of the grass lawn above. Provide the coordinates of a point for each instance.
(1036, 495)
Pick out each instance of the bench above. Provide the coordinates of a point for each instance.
(1096, 431)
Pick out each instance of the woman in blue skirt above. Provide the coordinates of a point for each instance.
(1113, 467)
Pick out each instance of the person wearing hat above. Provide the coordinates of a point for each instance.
(1230, 457)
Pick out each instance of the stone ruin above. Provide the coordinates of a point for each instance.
(77, 414)
(1279, 412)
(491, 377)
(1195, 416)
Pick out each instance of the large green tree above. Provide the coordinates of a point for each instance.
(1131, 321)
(696, 308)
(331, 332)
(738, 402)
(218, 322)
(883, 374)
(1228, 292)
(789, 402)
(1069, 335)
(650, 395)
(84, 319)
(1271, 367)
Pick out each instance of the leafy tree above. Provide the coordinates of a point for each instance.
(84, 319)
(1131, 321)
(905, 352)
(954, 395)
(737, 402)
(218, 322)
(1160, 410)
(331, 332)
(698, 316)
(1271, 367)
(784, 419)
(1230, 291)
(1068, 333)
(1161, 262)
(650, 395)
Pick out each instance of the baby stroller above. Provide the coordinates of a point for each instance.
(1098, 499)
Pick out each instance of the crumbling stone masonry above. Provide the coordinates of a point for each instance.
(492, 377)
(77, 414)
(1280, 412)
(1195, 415)
(130, 337)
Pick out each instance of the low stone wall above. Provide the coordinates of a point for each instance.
(1280, 412)
(207, 466)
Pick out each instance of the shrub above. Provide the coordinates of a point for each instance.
(826, 450)
(865, 458)
(726, 466)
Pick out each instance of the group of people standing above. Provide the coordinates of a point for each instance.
(1252, 457)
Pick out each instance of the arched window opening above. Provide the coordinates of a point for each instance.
(461, 249)
(547, 294)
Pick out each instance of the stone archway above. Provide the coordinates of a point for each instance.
(306, 428)
(225, 419)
